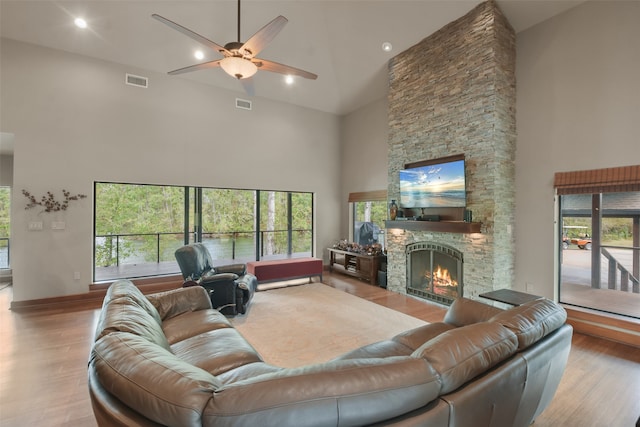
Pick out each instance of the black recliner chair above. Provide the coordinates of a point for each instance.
(230, 287)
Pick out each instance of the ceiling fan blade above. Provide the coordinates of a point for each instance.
(195, 36)
(275, 67)
(263, 37)
(203, 66)
(247, 84)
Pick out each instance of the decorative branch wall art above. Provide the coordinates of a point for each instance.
(48, 201)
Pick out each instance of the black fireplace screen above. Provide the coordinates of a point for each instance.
(434, 272)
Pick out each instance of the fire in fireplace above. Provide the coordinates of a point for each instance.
(434, 272)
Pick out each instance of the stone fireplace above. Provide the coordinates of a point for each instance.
(434, 271)
(454, 94)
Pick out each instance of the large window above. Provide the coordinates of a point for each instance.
(369, 213)
(600, 256)
(5, 229)
(139, 227)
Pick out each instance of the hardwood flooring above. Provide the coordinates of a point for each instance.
(43, 360)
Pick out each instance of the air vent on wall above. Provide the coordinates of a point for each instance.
(137, 81)
(243, 103)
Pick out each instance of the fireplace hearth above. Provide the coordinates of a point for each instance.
(434, 272)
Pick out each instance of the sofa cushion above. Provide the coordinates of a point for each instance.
(124, 314)
(150, 379)
(193, 323)
(465, 311)
(340, 393)
(217, 351)
(461, 354)
(415, 337)
(387, 348)
(179, 301)
(126, 288)
(532, 321)
(402, 344)
(247, 372)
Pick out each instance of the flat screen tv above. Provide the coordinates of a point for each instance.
(435, 185)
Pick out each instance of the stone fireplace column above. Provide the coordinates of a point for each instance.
(454, 93)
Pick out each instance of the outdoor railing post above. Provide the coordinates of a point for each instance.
(117, 250)
(158, 248)
(233, 245)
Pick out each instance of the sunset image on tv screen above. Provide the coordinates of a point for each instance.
(439, 185)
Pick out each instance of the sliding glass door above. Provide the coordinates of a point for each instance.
(600, 259)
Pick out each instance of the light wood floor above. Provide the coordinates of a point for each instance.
(43, 360)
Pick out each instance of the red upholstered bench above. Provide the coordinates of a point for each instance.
(285, 269)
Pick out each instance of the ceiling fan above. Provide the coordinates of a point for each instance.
(240, 59)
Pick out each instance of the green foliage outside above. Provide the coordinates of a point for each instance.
(226, 215)
(274, 208)
(5, 225)
(5, 206)
(137, 209)
(615, 231)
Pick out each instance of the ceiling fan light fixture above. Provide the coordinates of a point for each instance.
(238, 67)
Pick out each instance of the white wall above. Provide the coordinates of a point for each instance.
(364, 154)
(76, 122)
(6, 170)
(578, 107)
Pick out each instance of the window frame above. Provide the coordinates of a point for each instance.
(192, 223)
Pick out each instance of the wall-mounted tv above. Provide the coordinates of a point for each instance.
(436, 183)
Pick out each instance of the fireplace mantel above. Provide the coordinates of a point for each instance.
(440, 226)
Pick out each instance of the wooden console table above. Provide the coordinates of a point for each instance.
(362, 266)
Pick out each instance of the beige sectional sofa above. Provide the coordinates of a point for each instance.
(170, 359)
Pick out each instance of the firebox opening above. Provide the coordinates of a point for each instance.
(434, 272)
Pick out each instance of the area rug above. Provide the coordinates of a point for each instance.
(312, 323)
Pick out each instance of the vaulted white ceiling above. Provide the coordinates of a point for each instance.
(338, 40)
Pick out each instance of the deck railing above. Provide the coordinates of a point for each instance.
(615, 266)
(129, 247)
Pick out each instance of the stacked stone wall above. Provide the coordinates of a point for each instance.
(454, 93)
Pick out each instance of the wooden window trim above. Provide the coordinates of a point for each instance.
(608, 180)
(368, 196)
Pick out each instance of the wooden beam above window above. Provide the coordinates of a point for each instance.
(609, 180)
(368, 196)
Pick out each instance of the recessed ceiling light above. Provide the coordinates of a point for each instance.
(386, 46)
(80, 23)
(199, 54)
(288, 79)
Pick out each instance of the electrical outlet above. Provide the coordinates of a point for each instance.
(76, 275)
(528, 287)
(35, 226)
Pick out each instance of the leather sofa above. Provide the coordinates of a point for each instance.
(230, 287)
(170, 359)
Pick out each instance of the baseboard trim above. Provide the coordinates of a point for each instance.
(610, 327)
(96, 294)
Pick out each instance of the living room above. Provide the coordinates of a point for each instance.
(76, 123)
